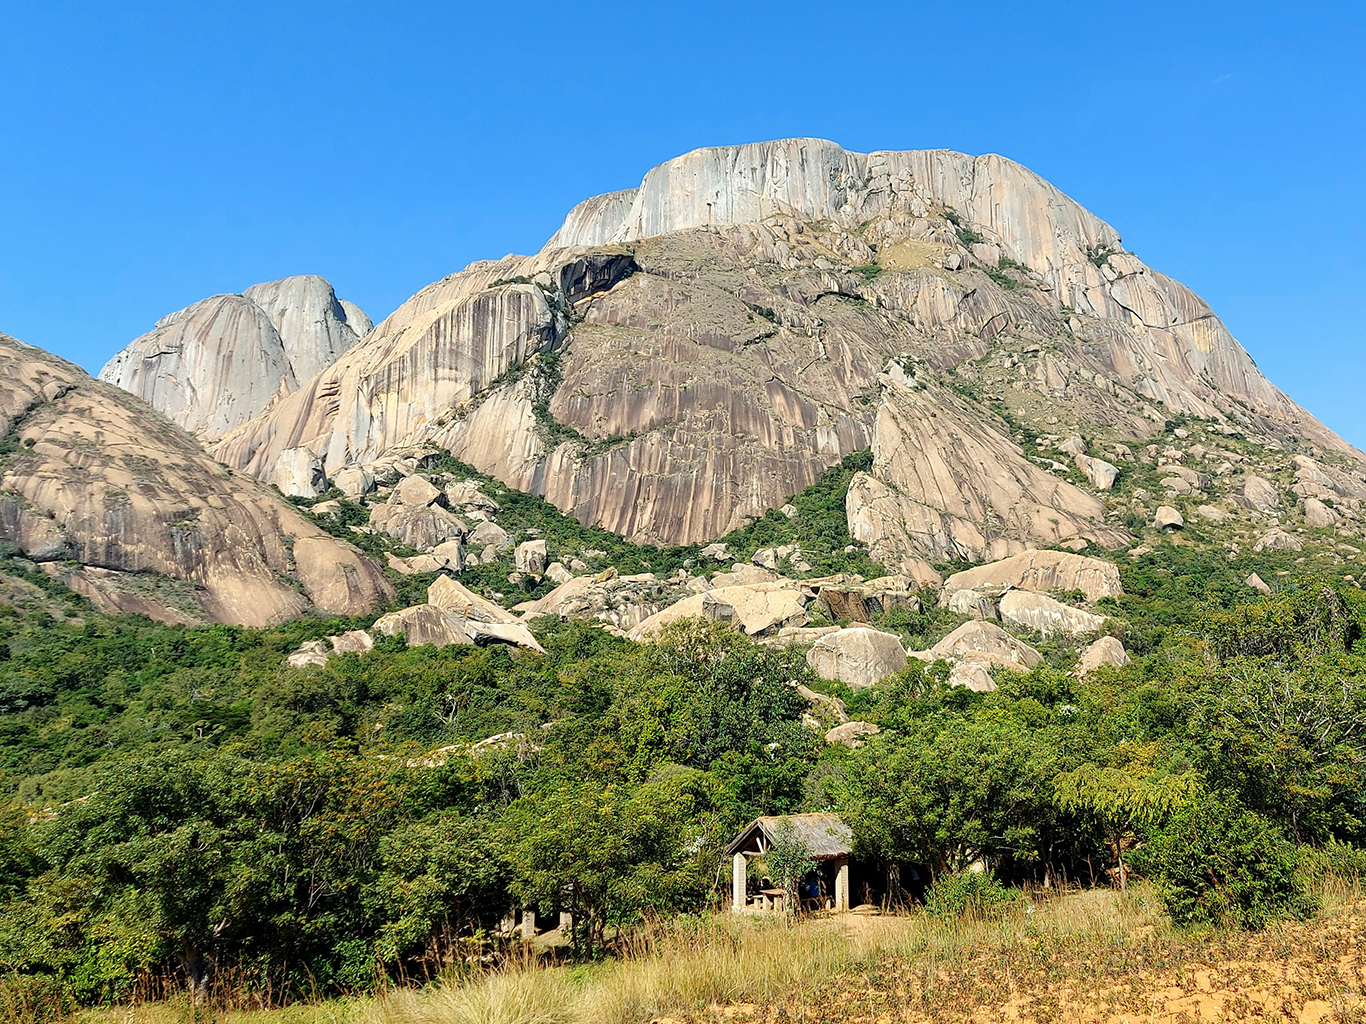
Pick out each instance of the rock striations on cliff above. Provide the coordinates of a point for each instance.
(127, 509)
(684, 355)
(214, 365)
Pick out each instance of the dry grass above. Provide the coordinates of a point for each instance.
(1087, 956)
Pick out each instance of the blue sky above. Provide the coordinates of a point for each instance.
(155, 153)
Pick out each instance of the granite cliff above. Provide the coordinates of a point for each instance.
(215, 364)
(126, 508)
(684, 355)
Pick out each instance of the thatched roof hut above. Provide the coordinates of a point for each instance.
(824, 835)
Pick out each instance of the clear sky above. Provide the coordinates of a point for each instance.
(152, 154)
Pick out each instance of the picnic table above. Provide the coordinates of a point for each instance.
(771, 899)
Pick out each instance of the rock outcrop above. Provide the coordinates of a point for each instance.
(985, 642)
(215, 364)
(1105, 651)
(1041, 571)
(683, 356)
(1042, 613)
(858, 656)
(147, 521)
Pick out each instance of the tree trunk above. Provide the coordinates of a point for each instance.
(1119, 858)
(196, 970)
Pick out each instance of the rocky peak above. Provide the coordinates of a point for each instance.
(217, 363)
(127, 509)
(682, 356)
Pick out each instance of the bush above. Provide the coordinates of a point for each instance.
(1333, 860)
(1215, 863)
(969, 894)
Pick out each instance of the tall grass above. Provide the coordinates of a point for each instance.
(683, 969)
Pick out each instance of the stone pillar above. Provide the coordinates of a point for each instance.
(528, 924)
(739, 877)
(566, 921)
(842, 885)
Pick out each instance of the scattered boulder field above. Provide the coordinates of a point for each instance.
(452, 524)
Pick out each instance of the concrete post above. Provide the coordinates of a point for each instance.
(566, 921)
(739, 877)
(842, 885)
(528, 924)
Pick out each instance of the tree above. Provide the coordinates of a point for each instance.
(950, 794)
(1122, 801)
(789, 859)
(1217, 862)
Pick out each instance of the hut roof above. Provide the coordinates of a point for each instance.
(823, 834)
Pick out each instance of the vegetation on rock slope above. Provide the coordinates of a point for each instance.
(185, 809)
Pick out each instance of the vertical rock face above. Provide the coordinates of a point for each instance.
(129, 510)
(686, 354)
(213, 365)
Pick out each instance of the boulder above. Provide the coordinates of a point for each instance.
(1213, 514)
(416, 491)
(1276, 539)
(851, 734)
(557, 573)
(1194, 481)
(489, 535)
(502, 632)
(717, 551)
(1040, 612)
(765, 557)
(299, 474)
(1261, 494)
(449, 554)
(986, 639)
(1167, 518)
(451, 596)
(973, 675)
(530, 557)
(353, 481)
(859, 602)
(1316, 513)
(424, 625)
(1073, 445)
(311, 652)
(620, 601)
(1100, 473)
(466, 494)
(1257, 583)
(858, 656)
(756, 608)
(742, 574)
(1105, 651)
(419, 526)
(972, 604)
(1040, 571)
(353, 641)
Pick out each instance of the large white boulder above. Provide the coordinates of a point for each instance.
(1041, 571)
(530, 556)
(1105, 651)
(299, 474)
(859, 656)
(989, 641)
(1038, 611)
(1261, 494)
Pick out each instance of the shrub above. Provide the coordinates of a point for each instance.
(969, 894)
(1334, 859)
(1215, 863)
